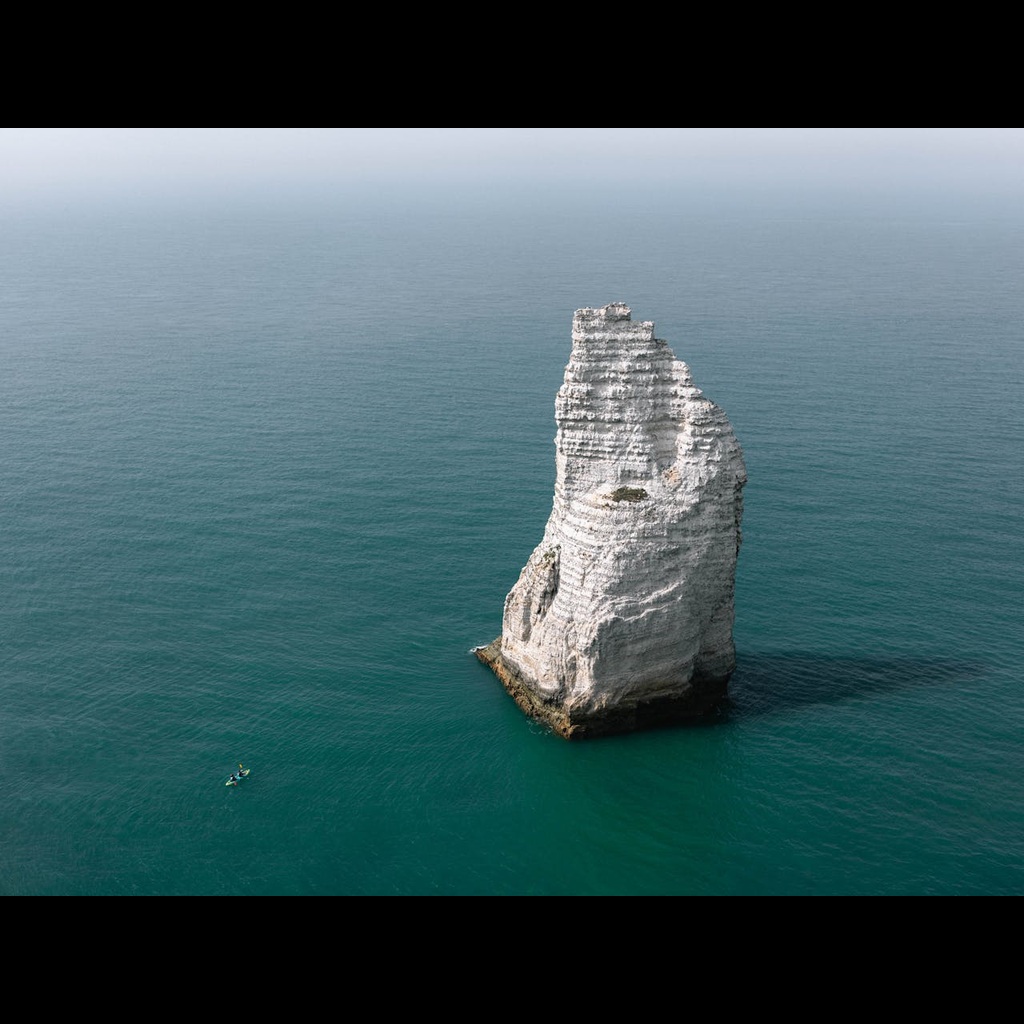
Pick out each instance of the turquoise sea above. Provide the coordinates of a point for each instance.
(267, 471)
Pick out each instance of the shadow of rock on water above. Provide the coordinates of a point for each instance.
(769, 684)
(765, 684)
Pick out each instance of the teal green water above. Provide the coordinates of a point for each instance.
(267, 476)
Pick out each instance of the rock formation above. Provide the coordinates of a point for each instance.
(622, 618)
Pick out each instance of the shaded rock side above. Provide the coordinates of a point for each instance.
(622, 618)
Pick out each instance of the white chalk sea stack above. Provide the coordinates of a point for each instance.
(622, 618)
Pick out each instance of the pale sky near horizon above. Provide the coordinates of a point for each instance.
(46, 163)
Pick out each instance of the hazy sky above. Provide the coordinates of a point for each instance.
(50, 163)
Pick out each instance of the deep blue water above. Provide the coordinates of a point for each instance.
(268, 473)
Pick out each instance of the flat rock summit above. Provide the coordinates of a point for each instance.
(622, 618)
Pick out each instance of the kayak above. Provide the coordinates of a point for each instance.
(234, 777)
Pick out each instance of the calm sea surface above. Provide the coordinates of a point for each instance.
(267, 474)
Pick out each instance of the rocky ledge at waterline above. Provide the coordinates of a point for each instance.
(622, 618)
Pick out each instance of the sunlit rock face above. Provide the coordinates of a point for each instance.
(622, 618)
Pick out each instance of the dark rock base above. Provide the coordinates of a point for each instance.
(703, 698)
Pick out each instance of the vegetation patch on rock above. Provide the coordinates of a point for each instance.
(628, 494)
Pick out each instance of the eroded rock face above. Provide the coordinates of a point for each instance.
(623, 616)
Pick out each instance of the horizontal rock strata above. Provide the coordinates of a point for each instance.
(622, 618)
